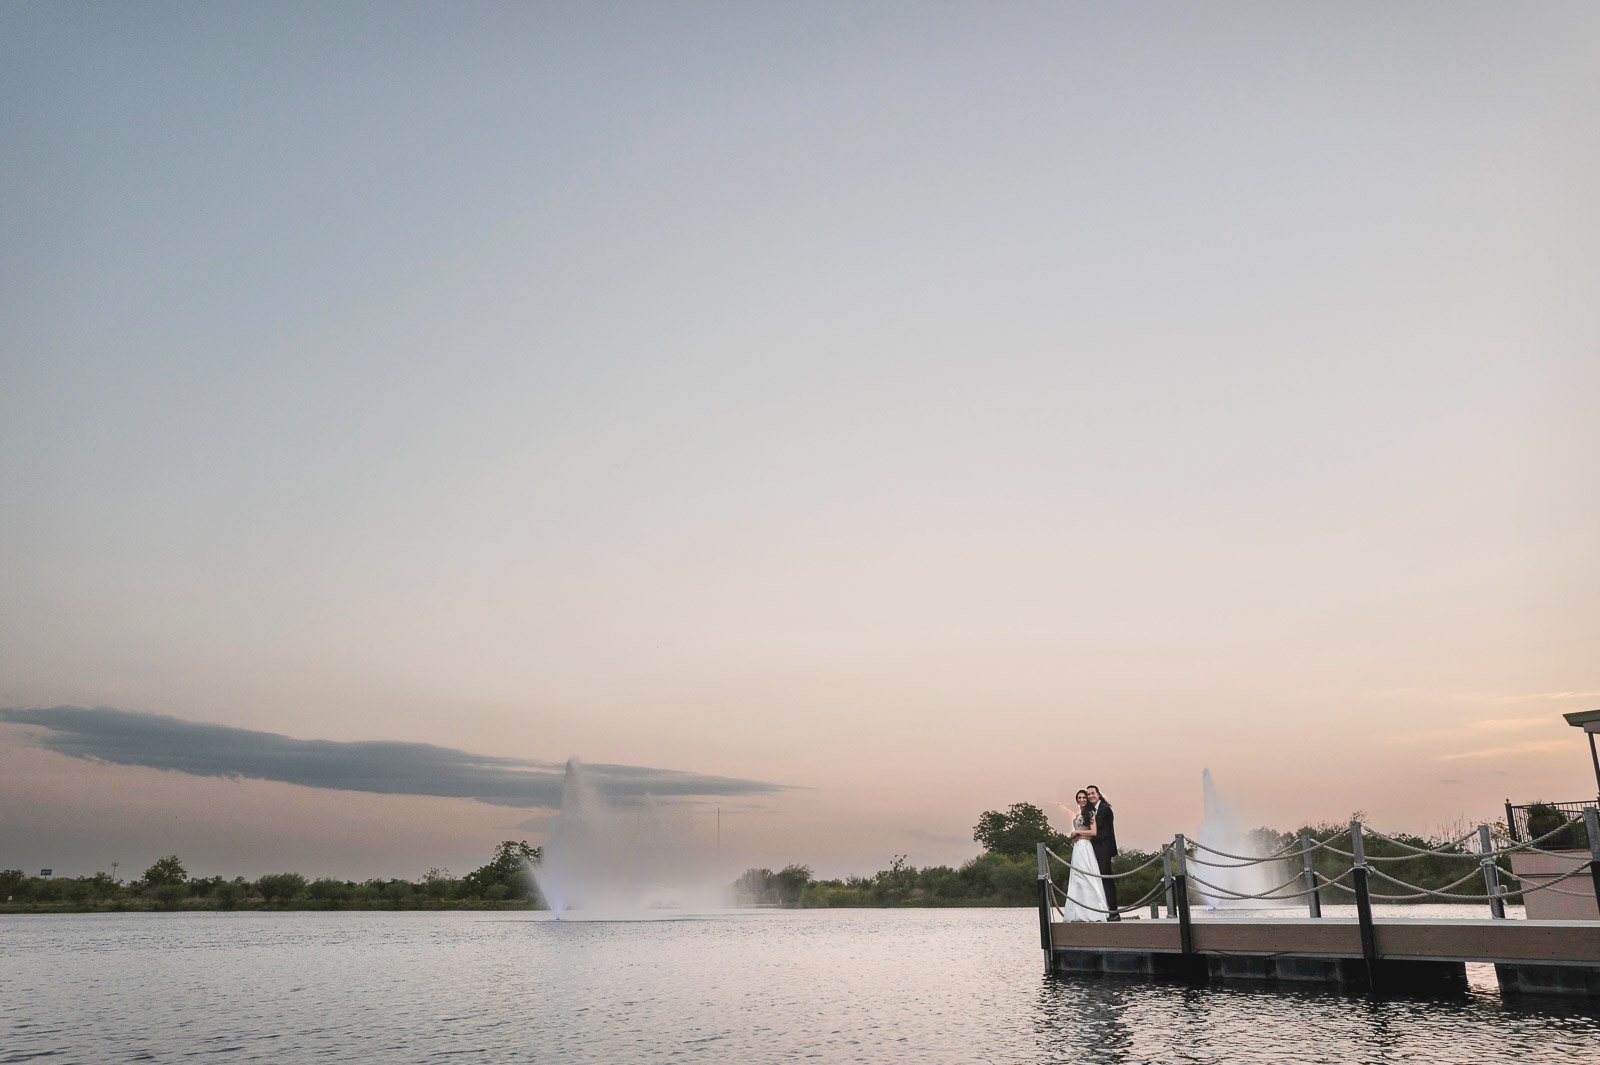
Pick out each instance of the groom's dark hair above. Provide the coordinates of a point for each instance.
(1096, 787)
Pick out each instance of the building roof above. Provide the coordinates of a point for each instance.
(1588, 720)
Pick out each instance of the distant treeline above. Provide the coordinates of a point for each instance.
(503, 882)
(1005, 874)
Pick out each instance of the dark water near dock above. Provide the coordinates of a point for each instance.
(747, 986)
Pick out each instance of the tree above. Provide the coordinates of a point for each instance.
(939, 881)
(752, 886)
(509, 867)
(229, 892)
(439, 885)
(97, 887)
(166, 871)
(202, 886)
(1017, 832)
(788, 883)
(1264, 840)
(894, 884)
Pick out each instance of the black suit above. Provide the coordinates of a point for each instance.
(1105, 847)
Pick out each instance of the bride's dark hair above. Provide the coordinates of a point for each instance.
(1083, 814)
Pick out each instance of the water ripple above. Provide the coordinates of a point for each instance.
(878, 986)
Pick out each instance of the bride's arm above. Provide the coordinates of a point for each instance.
(1086, 833)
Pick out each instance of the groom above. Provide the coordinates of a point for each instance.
(1105, 845)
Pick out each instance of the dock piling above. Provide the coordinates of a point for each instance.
(1166, 877)
(1591, 821)
(1369, 942)
(1180, 890)
(1491, 874)
(1044, 904)
(1313, 898)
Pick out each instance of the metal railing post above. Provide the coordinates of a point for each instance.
(1511, 823)
(1591, 821)
(1369, 943)
(1491, 874)
(1166, 877)
(1314, 899)
(1180, 889)
(1044, 905)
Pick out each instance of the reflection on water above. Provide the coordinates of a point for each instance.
(1117, 1019)
(867, 986)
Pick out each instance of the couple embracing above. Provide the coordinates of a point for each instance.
(1094, 835)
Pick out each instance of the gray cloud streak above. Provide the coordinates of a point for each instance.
(123, 737)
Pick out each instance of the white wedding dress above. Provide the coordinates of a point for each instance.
(1086, 895)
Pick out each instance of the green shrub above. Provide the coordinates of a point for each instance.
(1565, 833)
(330, 893)
(14, 885)
(281, 887)
(229, 893)
(168, 896)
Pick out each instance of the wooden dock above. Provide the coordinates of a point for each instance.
(1387, 954)
(1412, 954)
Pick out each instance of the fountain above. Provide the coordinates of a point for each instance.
(1222, 830)
(611, 860)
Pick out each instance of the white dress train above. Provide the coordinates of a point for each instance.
(1086, 895)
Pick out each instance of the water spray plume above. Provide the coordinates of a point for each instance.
(607, 860)
(1221, 830)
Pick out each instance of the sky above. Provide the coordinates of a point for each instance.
(829, 421)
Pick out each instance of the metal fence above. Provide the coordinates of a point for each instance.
(1517, 816)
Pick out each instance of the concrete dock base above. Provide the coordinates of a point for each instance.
(1131, 963)
(1548, 980)
(1349, 974)
(1410, 956)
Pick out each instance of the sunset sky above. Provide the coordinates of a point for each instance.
(848, 417)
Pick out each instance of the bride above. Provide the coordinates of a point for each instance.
(1086, 895)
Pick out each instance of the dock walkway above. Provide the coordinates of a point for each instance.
(1406, 954)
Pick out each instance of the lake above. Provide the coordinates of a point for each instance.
(743, 986)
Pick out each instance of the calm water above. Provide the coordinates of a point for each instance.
(903, 985)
